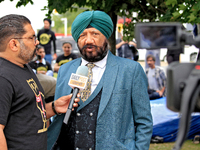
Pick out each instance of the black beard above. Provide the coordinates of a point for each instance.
(101, 52)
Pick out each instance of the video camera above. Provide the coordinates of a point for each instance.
(183, 79)
(158, 35)
(171, 36)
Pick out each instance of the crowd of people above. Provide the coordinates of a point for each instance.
(112, 113)
(99, 121)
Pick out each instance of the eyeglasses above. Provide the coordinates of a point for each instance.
(34, 37)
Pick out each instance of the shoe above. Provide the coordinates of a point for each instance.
(160, 139)
(157, 139)
(196, 139)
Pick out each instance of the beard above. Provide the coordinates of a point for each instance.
(101, 52)
(25, 53)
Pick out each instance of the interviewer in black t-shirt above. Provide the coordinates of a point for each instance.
(23, 112)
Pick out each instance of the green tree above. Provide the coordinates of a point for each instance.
(147, 10)
(185, 11)
(144, 8)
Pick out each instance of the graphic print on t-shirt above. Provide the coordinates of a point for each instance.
(42, 68)
(64, 61)
(39, 103)
(44, 38)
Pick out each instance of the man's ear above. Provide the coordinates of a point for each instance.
(14, 45)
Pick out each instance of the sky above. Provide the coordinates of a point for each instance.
(33, 12)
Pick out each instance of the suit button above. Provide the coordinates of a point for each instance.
(77, 148)
(90, 132)
(77, 132)
(78, 114)
(90, 148)
(91, 114)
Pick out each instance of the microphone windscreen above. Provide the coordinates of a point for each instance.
(82, 70)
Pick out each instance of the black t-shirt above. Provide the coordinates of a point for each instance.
(45, 36)
(22, 108)
(64, 59)
(40, 66)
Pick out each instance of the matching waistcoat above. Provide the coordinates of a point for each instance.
(79, 133)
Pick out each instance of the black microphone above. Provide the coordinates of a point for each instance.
(78, 82)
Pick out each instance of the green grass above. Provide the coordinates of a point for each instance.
(187, 145)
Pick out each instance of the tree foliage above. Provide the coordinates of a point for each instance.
(185, 11)
(146, 9)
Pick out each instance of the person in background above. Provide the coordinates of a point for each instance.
(156, 79)
(124, 49)
(156, 54)
(66, 57)
(48, 84)
(23, 112)
(46, 36)
(41, 66)
(44, 73)
(114, 111)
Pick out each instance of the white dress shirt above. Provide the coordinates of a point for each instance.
(97, 71)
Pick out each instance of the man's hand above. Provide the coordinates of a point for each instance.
(120, 44)
(54, 56)
(3, 144)
(132, 43)
(61, 105)
(160, 93)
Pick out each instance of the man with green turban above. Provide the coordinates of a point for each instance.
(114, 114)
(97, 19)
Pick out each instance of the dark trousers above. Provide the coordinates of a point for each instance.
(153, 94)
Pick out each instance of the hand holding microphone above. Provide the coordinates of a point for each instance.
(78, 82)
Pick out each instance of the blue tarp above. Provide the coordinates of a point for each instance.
(166, 122)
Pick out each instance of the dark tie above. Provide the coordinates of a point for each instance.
(85, 93)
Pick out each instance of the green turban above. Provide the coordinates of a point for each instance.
(97, 19)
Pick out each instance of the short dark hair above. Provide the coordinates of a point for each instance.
(39, 47)
(67, 43)
(151, 56)
(47, 19)
(12, 25)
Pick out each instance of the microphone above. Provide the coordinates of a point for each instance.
(78, 82)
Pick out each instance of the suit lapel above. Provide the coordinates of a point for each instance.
(75, 65)
(107, 82)
(109, 78)
(92, 96)
(73, 68)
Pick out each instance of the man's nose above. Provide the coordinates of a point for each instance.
(89, 39)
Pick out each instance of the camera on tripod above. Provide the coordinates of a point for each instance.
(156, 35)
(183, 79)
